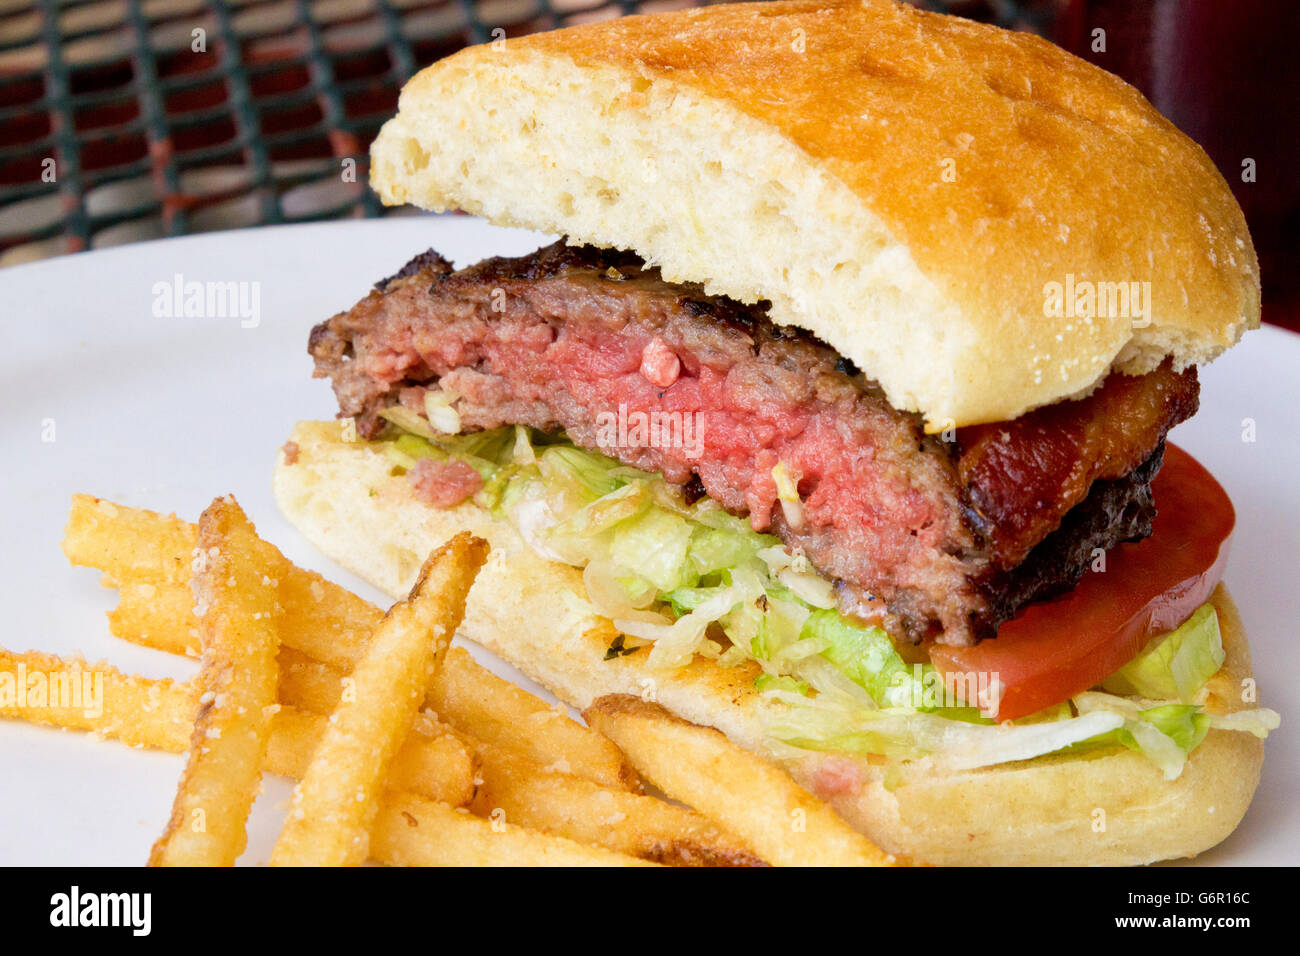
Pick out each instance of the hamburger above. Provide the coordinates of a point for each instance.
(836, 420)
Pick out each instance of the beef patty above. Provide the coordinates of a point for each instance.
(930, 534)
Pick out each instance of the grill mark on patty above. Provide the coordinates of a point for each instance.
(955, 553)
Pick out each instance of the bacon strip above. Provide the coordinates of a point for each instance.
(1021, 477)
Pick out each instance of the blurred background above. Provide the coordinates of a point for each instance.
(124, 120)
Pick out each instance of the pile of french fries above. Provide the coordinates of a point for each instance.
(406, 751)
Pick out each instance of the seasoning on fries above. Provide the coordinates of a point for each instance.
(159, 714)
(491, 708)
(336, 802)
(237, 694)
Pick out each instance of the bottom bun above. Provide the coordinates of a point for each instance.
(1107, 807)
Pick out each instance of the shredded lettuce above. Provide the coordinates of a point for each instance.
(1176, 665)
(676, 643)
(481, 450)
(866, 656)
(693, 580)
(1165, 733)
(657, 543)
(767, 682)
(408, 421)
(714, 549)
(1259, 721)
(572, 471)
(899, 732)
(418, 447)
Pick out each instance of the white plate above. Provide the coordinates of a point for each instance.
(165, 413)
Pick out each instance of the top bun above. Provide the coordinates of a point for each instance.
(933, 197)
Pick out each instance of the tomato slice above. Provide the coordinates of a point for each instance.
(1054, 650)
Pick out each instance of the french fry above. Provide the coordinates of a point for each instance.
(785, 824)
(308, 683)
(131, 545)
(329, 622)
(520, 791)
(336, 802)
(331, 625)
(238, 684)
(409, 831)
(156, 713)
(160, 616)
(159, 714)
(431, 763)
(492, 709)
